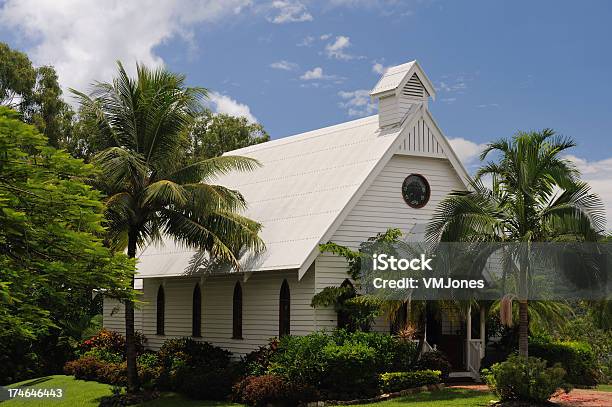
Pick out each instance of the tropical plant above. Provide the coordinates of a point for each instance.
(51, 256)
(536, 196)
(153, 189)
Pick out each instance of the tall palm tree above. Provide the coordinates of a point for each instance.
(536, 196)
(152, 188)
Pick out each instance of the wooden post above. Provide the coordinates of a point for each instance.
(468, 335)
(482, 331)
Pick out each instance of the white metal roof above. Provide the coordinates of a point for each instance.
(396, 76)
(303, 185)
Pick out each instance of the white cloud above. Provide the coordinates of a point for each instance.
(325, 37)
(314, 73)
(82, 40)
(289, 12)
(227, 105)
(284, 65)
(337, 49)
(357, 102)
(466, 150)
(598, 174)
(448, 100)
(379, 68)
(306, 42)
(452, 87)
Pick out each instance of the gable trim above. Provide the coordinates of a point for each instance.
(356, 196)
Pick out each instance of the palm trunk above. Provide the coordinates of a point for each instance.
(523, 328)
(132, 372)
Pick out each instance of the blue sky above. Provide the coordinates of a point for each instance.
(499, 66)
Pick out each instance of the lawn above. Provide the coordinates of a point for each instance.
(604, 387)
(84, 394)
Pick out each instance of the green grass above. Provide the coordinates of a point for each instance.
(441, 398)
(76, 392)
(604, 387)
(79, 393)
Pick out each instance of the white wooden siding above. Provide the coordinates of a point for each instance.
(380, 208)
(422, 139)
(382, 205)
(260, 301)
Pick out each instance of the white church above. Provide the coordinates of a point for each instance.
(344, 184)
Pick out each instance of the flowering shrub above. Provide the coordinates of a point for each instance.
(257, 362)
(112, 342)
(85, 368)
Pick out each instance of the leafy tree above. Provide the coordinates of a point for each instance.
(50, 254)
(35, 93)
(536, 196)
(211, 134)
(154, 188)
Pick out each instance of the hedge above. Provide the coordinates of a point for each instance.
(577, 358)
(396, 381)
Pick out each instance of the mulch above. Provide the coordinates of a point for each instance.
(575, 398)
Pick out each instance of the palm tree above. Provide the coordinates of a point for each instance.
(152, 188)
(536, 196)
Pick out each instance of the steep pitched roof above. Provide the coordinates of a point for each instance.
(303, 185)
(396, 77)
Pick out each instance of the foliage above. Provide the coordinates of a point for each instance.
(362, 310)
(435, 360)
(111, 342)
(585, 326)
(536, 196)
(341, 364)
(50, 255)
(35, 93)
(257, 362)
(153, 186)
(211, 135)
(577, 358)
(396, 381)
(525, 379)
(198, 369)
(85, 368)
(273, 390)
(104, 355)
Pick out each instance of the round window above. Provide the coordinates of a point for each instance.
(415, 190)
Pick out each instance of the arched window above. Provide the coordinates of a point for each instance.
(344, 317)
(237, 312)
(161, 310)
(196, 315)
(284, 310)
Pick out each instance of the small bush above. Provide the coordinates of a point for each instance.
(525, 379)
(435, 360)
(111, 341)
(256, 363)
(270, 390)
(84, 368)
(396, 381)
(577, 358)
(113, 373)
(104, 355)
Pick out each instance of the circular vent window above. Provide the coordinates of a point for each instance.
(416, 191)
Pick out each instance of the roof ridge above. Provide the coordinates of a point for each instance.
(323, 131)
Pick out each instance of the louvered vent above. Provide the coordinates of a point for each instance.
(414, 88)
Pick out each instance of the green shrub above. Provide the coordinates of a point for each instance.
(104, 355)
(84, 368)
(525, 379)
(195, 368)
(113, 373)
(396, 381)
(299, 358)
(435, 360)
(350, 368)
(577, 358)
(256, 363)
(112, 342)
(270, 390)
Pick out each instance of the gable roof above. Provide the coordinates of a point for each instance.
(396, 77)
(304, 183)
